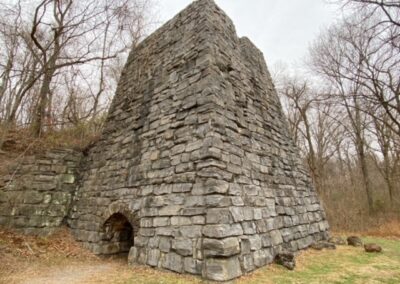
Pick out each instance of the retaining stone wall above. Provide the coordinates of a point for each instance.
(36, 194)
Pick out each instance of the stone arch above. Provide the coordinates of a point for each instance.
(122, 208)
(118, 230)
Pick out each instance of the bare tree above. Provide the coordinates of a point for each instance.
(332, 57)
(310, 121)
(387, 158)
(63, 36)
(390, 10)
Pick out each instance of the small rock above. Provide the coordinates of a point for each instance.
(286, 259)
(323, 245)
(337, 241)
(354, 241)
(372, 248)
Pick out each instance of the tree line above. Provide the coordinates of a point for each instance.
(345, 114)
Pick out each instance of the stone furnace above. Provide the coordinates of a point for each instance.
(196, 157)
(195, 171)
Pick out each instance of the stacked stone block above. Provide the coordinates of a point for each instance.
(36, 192)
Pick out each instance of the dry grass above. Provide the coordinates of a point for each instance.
(59, 259)
(390, 228)
(15, 144)
(18, 252)
(19, 141)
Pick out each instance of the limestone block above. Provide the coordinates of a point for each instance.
(255, 242)
(191, 231)
(222, 269)
(165, 244)
(180, 221)
(31, 197)
(68, 178)
(153, 257)
(160, 221)
(222, 230)
(192, 265)
(216, 186)
(223, 247)
(183, 247)
(173, 261)
(247, 262)
(276, 237)
(237, 214)
(218, 216)
(170, 210)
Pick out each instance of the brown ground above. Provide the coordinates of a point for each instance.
(28, 259)
(59, 259)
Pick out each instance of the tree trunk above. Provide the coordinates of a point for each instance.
(311, 156)
(365, 174)
(387, 176)
(39, 114)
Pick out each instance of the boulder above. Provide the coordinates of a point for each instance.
(372, 248)
(337, 241)
(354, 241)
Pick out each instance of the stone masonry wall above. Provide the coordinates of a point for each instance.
(196, 155)
(36, 194)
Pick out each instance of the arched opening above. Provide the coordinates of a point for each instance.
(118, 235)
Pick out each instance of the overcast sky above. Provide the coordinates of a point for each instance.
(281, 29)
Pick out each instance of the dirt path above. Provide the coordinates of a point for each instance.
(55, 259)
(103, 271)
(73, 274)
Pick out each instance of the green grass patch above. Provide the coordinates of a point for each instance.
(345, 265)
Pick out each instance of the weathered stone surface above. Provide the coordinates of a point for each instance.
(276, 237)
(195, 168)
(192, 265)
(165, 244)
(222, 230)
(222, 269)
(133, 255)
(182, 247)
(38, 197)
(153, 257)
(224, 247)
(173, 262)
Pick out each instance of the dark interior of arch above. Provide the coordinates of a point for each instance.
(118, 235)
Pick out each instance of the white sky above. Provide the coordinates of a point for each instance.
(282, 29)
